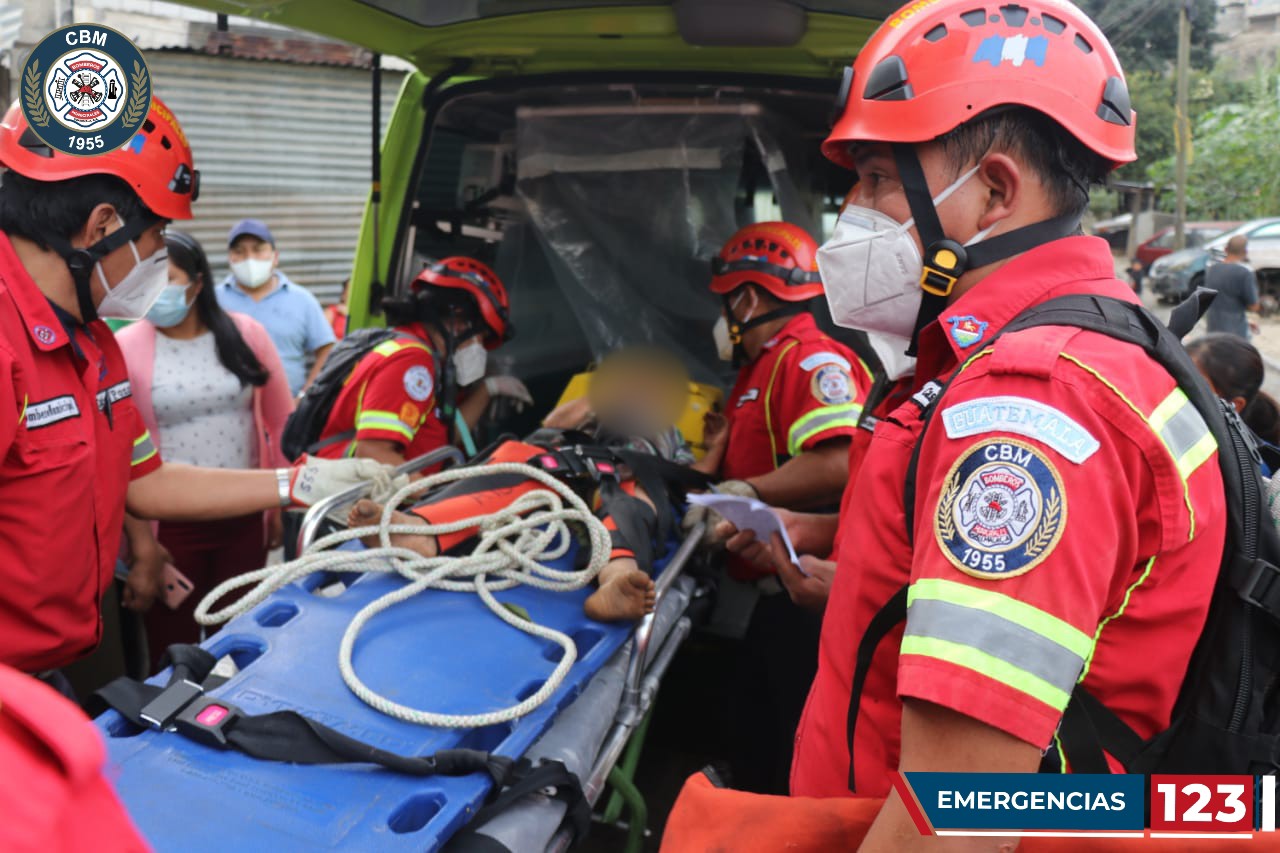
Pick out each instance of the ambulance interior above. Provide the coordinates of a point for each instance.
(601, 201)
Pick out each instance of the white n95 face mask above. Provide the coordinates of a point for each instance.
(469, 362)
(134, 294)
(252, 272)
(871, 268)
(892, 352)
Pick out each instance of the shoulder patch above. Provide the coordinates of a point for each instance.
(967, 330)
(418, 383)
(1023, 416)
(818, 359)
(832, 385)
(1001, 511)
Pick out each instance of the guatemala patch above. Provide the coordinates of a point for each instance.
(1002, 510)
(832, 385)
(1025, 417)
(967, 330)
(418, 383)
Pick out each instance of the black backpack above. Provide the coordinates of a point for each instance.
(1227, 715)
(307, 421)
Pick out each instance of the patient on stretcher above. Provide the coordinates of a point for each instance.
(625, 589)
(626, 466)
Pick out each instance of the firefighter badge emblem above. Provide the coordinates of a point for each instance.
(85, 90)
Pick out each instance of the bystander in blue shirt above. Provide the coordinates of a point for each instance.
(292, 317)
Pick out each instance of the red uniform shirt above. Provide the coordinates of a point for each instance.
(390, 396)
(55, 794)
(72, 441)
(1068, 524)
(804, 388)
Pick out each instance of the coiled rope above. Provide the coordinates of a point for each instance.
(516, 544)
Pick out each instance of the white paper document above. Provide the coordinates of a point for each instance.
(749, 514)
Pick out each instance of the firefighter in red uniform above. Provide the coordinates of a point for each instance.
(82, 237)
(790, 416)
(399, 401)
(1067, 521)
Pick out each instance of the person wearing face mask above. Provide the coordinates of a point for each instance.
(82, 238)
(1065, 521)
(790, 417)
(405, 397)
(212, 392)
(258, 288)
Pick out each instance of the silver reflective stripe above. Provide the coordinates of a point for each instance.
(987, 632)
(1184, 430)
(143, 450)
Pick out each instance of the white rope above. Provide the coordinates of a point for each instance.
(515, 545)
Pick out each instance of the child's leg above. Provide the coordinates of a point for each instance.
(626, 592)
(366, 513)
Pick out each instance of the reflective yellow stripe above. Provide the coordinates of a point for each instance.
(819, 421)
(1186, 489)
(1006, 607)
(1183, 431)
(143, 448)
(394, 345)
(1123, 604)
(387, 421)
(26, 401)
(989, 667)
(768, 394)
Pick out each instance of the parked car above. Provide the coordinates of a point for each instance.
(1179, 273)
(1115, 231)
(1161, 243)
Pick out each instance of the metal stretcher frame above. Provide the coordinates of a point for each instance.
(644, 670)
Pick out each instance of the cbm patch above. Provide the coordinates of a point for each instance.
(1001, 511)
(85, 90)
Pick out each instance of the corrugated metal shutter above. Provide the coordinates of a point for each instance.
(288, 144)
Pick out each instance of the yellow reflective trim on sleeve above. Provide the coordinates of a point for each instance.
(22, 416)
(1006, 607)
(387, 421)
(819, 421)
(1186, 489)
(768, 394)
(1119, 611)
(394, 345)
(990, 667)
(143, 449)
(1197, 455)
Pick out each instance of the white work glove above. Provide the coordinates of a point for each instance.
(509, 386)
(710, 538)
(313, 479)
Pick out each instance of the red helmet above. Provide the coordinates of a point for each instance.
(484, 286)
(932, 66)
(780, 257)
(156, 163)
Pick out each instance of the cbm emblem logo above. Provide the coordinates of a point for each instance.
(85, 89)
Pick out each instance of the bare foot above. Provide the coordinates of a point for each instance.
(623, 595)
(366, 513)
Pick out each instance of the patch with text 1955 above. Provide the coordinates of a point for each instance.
(1002, 509)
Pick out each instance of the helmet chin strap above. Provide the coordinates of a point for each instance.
(945, 260)
(82, 261)
(738, 329)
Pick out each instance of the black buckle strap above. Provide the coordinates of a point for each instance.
(1262, 585)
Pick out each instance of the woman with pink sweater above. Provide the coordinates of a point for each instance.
(212, 391)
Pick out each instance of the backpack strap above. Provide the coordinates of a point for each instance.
(888, 617)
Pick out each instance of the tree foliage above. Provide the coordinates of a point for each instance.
(1235, 166)
(1144, 33)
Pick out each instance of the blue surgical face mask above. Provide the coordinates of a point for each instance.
(171, 307)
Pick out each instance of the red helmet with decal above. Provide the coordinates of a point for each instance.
(780, 257)
(935, 64)
(156, 163)
(481, 283)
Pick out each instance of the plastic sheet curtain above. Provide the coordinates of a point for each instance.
(629, 206)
